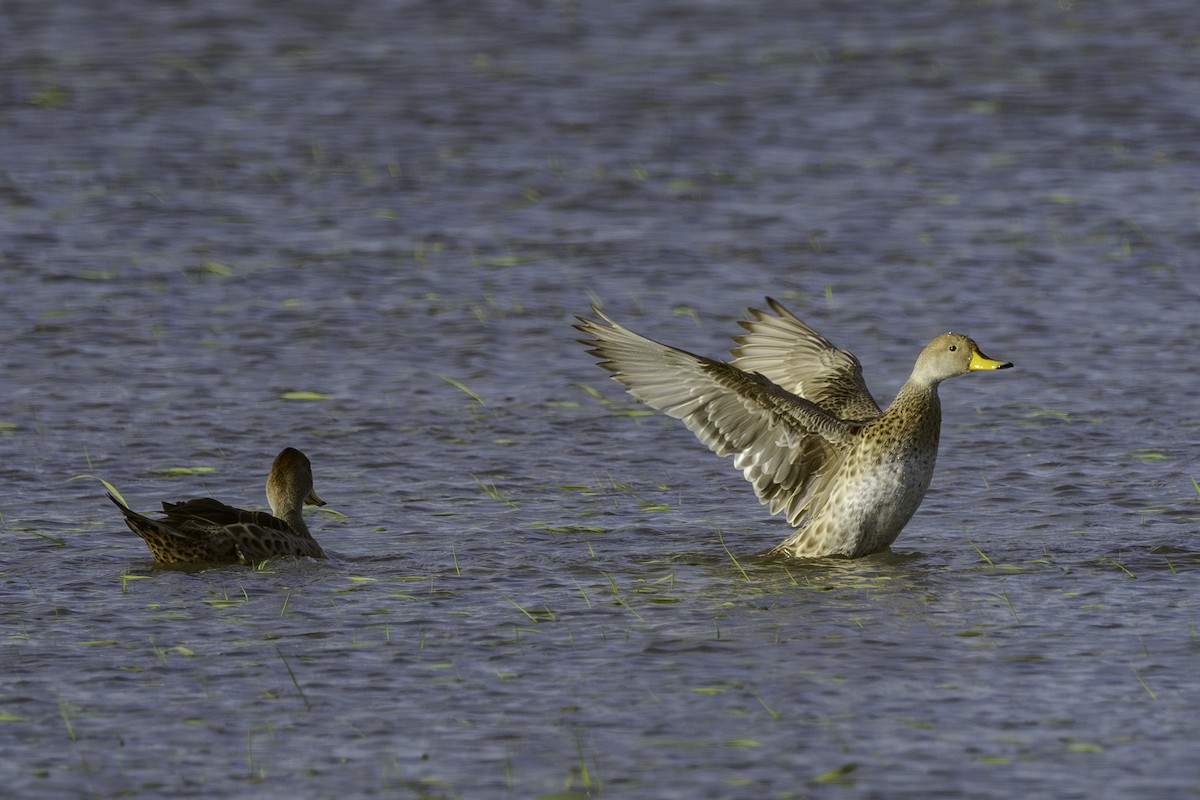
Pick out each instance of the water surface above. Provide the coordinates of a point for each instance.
(236, 227)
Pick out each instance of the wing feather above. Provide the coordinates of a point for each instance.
(796, 357)
(204, 512)
(785, 445)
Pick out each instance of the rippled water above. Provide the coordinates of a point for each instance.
(211, 213)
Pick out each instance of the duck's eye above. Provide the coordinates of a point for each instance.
(953, 348)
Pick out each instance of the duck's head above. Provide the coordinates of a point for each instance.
(290, 484)
(949, 356)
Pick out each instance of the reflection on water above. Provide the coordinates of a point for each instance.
(364, 232)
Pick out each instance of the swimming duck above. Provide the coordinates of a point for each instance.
(796, 415)
(209, 531)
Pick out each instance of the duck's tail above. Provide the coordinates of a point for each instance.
(167, 545)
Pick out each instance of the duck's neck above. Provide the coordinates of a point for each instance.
(918, 402)
(294, 517)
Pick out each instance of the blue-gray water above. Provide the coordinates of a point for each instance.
(210, 208)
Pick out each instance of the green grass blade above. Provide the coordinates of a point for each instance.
(107, 485)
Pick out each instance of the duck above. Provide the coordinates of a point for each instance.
(204, 530)
(795, 415)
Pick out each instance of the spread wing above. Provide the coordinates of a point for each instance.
(786, 446)
(804, 362)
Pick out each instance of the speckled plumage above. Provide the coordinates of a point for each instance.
(205, 530)
(796, 416)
